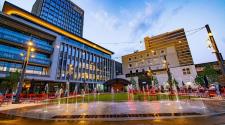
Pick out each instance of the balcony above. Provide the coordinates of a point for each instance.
(17, 57)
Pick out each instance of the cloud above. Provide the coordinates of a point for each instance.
(126, 28)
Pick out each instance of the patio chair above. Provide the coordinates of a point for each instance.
(8, 98)
(23, 97)
(32, 98)
(1, 99)
(212, 93)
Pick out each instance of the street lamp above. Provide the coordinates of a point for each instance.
(26, 60)
(150, 74)
(68, 78)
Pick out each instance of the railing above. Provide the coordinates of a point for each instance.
(19, 58)
(21, 40)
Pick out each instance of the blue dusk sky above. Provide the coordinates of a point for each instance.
(120, 25)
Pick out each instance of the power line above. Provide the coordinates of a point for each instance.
(189, 32)
(194, 31)
(200, 28)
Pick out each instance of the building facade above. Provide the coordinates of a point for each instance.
(59, 56)
(169, 48)
(62, 13)
(119, 69)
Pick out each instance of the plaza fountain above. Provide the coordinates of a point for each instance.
(134, 106)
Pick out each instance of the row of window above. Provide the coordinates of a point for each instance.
(154, 53)
(13, 50)
(66, 18)
(12, 53)
(86, 65)
(85, 47)
(152, 62)
(186, 71)
(18, 37)
(65, 5)
(13, 67)
(65, 26)
(62, 14)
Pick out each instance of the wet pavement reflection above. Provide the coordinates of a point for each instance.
(212, 120)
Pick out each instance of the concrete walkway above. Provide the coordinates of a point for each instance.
(15, 106)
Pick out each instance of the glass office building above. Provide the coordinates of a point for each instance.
(60, 56)
(63, 13)
(13, 46)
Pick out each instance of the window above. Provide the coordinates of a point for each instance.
(136, 71)
(154, 53)
(130, 65)
(143, 70)
(147, 54)
(162, 51)
(186, 71)
(129, 59)
(130, 72)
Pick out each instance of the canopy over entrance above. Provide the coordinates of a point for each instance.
(117, 84)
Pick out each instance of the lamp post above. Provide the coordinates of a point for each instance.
(26, 60)
(150, 75)
(68, 79)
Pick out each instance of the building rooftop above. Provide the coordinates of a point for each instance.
(11, 9)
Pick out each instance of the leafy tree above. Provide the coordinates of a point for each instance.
(210, 73)
(199, 80)
(175, 82)
(156, 82)
(133, 82)
(143, 78)
(10, 82)
(170, 82)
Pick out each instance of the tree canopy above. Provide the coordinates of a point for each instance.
(10, 82)
(210, 73)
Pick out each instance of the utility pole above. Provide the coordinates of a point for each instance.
(216, 50)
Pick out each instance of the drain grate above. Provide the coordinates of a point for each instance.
(123, 115)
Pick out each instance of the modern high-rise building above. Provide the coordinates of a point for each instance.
(62, 13)
(59, 55)
(171, 45)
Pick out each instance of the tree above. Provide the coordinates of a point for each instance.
(156, 82)
(199, 80)
(10, 81)
(133, 82)
(210, 73)
(143, 78)
(175, 82)
(170, 82)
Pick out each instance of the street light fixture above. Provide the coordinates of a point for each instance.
(26, 60)
(68, 78)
